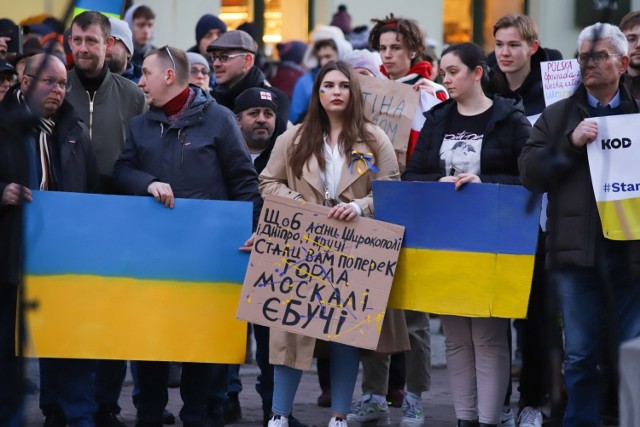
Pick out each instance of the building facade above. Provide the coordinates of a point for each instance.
(445, 21)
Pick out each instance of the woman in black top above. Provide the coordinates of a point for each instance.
(472, 138)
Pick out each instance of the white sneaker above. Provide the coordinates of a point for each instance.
(412, 412)
(278, 421)
(371, 408)
(530, 417)
(506, 418)
(337, 422)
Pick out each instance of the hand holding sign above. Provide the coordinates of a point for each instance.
(584, 133)
(313, 275)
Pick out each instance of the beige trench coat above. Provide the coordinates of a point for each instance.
(295, 350)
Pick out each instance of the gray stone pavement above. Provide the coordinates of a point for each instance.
(437, 402)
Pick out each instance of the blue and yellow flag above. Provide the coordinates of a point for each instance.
(112, 8)
(118, 277)
(468, 252)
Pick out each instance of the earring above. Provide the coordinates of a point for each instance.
(413, 55)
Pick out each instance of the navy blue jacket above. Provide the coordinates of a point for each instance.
(202, 155)
(504, 136)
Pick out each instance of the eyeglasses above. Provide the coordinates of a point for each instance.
(197, 71)
(51, 83)
(166, 48)
(225, 57)
(598, 57)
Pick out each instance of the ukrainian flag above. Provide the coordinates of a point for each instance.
(112, 8)
(468, 252)
(120, 277)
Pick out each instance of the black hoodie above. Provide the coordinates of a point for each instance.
(531, 91)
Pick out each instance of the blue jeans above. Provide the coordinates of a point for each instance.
(69, 383)
(234, 383)
(153, 378)
(590, 299)
(344, 373)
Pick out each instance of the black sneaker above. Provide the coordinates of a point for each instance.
(232, 410)
(294, 422)
(54, 419)
(215, 413)
(266, 412)
(106, 418)
(168, 418)
(324, 400)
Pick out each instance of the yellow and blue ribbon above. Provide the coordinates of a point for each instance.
(359, 158)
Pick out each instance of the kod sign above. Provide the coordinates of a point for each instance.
(615, 143)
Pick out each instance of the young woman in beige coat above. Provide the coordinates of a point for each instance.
(312, 162)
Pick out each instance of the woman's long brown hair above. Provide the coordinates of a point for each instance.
(316, 122)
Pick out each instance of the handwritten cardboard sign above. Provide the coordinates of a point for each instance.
(392, 106)
(560, 79)
(320, 277)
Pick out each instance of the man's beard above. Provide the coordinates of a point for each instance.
(258, 144)
(117, 65)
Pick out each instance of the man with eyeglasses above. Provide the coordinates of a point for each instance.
(630, 26)
(233, 58)
(597, 279)
(209, 161)
(106, 102)
(44, 146)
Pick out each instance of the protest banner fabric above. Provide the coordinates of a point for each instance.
(468, 252)
(111, 8)
(117, 277)
(560, 79)
(613, 161)
(320, 277)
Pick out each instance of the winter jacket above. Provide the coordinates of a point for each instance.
(504, 136)
(73, 166)
(531, 90)
(254, 78)
(202, 155)
(301, 96)
(286, 77)
(551, 163)
(107, 115)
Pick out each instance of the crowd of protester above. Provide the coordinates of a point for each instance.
(84, 109)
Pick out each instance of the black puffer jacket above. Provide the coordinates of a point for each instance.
(504, 136)
(551, 163)
(254, 78)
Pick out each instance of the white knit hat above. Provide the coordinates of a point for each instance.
(326, 32)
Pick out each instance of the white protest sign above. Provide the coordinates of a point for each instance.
(613, 161)
(560, 79)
